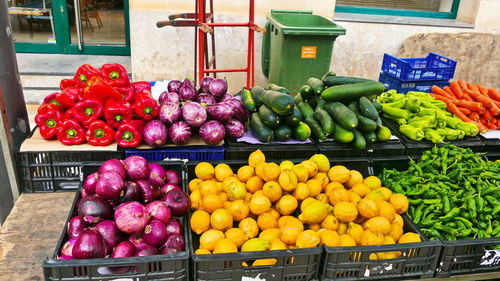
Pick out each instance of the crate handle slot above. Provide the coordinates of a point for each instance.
(115, 270)
(249, 263)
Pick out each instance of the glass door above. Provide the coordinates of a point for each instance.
(99, 27)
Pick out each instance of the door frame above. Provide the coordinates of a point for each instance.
(62, 34)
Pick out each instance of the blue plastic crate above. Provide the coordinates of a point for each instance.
(432, 67)
(407, 86)
(193, 153)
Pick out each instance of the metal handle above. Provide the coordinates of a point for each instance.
(78, 23)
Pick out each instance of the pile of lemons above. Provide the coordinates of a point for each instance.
(266, 206)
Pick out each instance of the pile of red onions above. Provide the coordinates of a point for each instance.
(129, 209)
(210, 111)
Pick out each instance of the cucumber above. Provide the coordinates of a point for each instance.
(259, 130)
(313, 101)
(377, 106)
(274, 87)
(359, 141)
(342, 80)
(383, 133)
(342, 135)
(298, 98)
(256, 92)
(321, 104)
(326, 121)
(302, 132)
(329, 73)
(293, 119)
(354, 106)
(316, 129)
(248, 101)
(305, 109)
(350, 92)
(364, 124)
(316, 85)
(282, 133)
(268, 117)
(367, 109)
(306, 92)
(370, 137)
(342, 115)
(278, 102)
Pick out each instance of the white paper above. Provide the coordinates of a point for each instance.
(393, 138)
(491, 258)
(492, 134)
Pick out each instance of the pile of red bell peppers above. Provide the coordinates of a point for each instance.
(98, 105)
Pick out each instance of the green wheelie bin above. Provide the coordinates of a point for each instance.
(297, 45)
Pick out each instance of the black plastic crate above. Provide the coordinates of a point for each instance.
(241, 150)
(378, 164)
(416, 148)
(192, 153)
(491, 146)
(173, 267)
(334, 149)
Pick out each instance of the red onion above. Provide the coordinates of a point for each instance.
(137, 167)
(154, 233)
(206, 98)
(174, 226)
(89, 183)
(168, 97)
(178, 201)
(75, 227)
(167, 187)
(155, 133)
(110, 233)
(89, 245)
(65, 257)
(137, 241)
(84, 194)
(174, 86)
(113, 165)
(93, 209)
(205, 83)
(156, 175)
(172, 176)
(147, 251)
(147, 191)
(110, 185)
(234, 128)
(180, 133)
(212, 132)
(218, 87)
(169, 250)
(131, 192)
(159, 210)
(131, 217)
(67, 248)
(194, 114)
(123, 250)
(170, 113)
(175, 241)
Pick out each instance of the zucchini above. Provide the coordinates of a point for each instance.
(306, 92)
(370, 137)
(326, 121)
(259, 130)
(377, 106)
(367, 109)
(342, 115)
(293, 119)
(298, 98)
(274, 87)
(364, 124)
(329, 73)
(248, 101)
(316, 129)
(342, 135)
(342, 80)
(316, 85)
(302, 132)
(282, 133)
(305, 109)
(268, 117)
(256, 92)
(359, 141)
(278, 102)
(313, 101)
(350, 92)
(321, 104)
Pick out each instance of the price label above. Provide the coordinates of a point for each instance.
(308, 52)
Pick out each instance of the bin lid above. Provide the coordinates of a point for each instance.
(304, 23)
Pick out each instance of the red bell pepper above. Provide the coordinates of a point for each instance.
(146, 108)
(84, 73)
(141, 86)
(51, 99)
(145, 94)
(67, 83)
(69, 114)
(129, 135)
(98, 89)
(88, 111)
(127, 93)
(68, 97)
(116, 112)
(70, 132)
(115, 75)
(49, 123)
(99, 133)
(46, 107)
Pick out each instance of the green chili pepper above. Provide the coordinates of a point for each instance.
(496, 231)
(451, 215)
(418, 214)
(446, 204)
(432, 201)
(467, 223)
(479, 203)
(471, 205)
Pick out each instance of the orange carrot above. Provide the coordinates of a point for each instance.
(474, 116)
(487, 115)
(474, 106)
(482, 89)
(491, 126)
(494, 121)
(485, 100)
(494, 94)
(473, 88)
(457, 91)
(449, 92)
(465, 111)
(441, 98)
(494, 109)
(463, 85)
(438, 91)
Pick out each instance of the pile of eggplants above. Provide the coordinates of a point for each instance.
(210, 111)
(127, 208)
